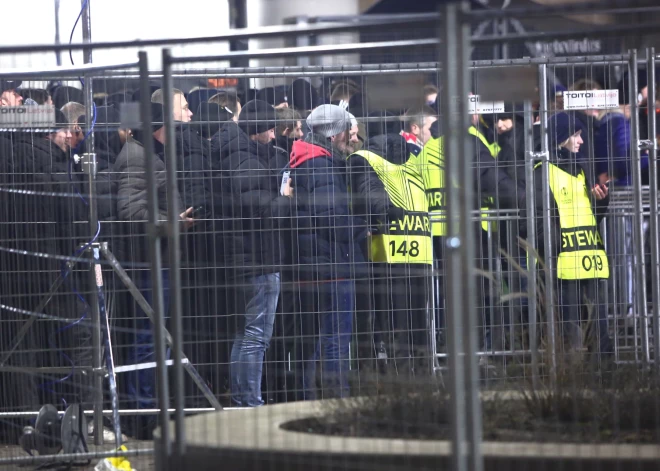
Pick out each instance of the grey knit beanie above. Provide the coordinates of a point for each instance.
(329, 120)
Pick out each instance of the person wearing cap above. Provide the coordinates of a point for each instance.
(329, 240)
(494, 189)
(45, 218)
(277, 96)
(9, 95)
(253, 204)
(210, 118)
(577, 207)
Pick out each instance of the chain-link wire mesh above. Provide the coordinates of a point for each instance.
(293, 228)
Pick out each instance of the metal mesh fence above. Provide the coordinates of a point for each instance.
(292, 227)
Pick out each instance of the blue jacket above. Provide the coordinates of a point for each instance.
(329, 236)
(612, 144)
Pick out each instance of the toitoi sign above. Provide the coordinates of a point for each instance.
(27, 117)
(591, 100)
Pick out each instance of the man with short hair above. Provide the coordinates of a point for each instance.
(73, 111)
(229, 100)
(8, 94)
(132, 207)
(252, 206)
(329, 240)
(180, 109)
(289, 128)
(417, 125)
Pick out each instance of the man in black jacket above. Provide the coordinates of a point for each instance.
(246, 193)
(495, 189)
(42, 220)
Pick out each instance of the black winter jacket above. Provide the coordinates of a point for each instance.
(245, 188)
(512, 154)
(492, 181)
(55, 225)
(329, 236)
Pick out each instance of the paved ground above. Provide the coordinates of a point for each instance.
(139, 463)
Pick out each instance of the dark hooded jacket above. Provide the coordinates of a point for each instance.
(329, 236)
(512, 154)
(245, 188)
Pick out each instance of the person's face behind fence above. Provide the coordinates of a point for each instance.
(504, 125)
(425, 131)
(265, 137)
(61, 138)
(296, 133)
(342, 141)
(573, 143)
(353, 141)
(10, 98)
(181, 111)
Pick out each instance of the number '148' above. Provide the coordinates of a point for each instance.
(404, 248)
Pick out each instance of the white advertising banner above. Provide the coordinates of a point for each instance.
(591, 100)
(20, 117)
(476, 106)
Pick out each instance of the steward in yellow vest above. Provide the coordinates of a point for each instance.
(576, 210)
(387, 190)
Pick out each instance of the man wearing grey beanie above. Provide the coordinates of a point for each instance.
(329, 241)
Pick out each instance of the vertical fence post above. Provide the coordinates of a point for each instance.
(638, 215)
(531, 241)
(451, 103)
(461, 318)
(97, 351)
(154, 229)
(547, 225)
(173, 211)
(467, 249)
(653, 205)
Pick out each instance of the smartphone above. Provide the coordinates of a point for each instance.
(197, 212)
(285, 181)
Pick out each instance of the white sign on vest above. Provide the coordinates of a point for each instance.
(22, 117)
(591, 100)
(476, 106)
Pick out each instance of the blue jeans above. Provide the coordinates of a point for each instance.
(326, 324)
(258, 298)
(141, 384)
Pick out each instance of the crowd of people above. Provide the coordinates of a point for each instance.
(310, 216)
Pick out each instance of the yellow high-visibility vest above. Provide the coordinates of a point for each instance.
(582, 252)
(494, 150)
(408, 239)
(431, 166)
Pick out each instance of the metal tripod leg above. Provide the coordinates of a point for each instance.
(146, 307)
(109, 361)
(40, 307)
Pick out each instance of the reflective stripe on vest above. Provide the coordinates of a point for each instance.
(405, 240)
(582, 253)
(494, 150)
(431, 166)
